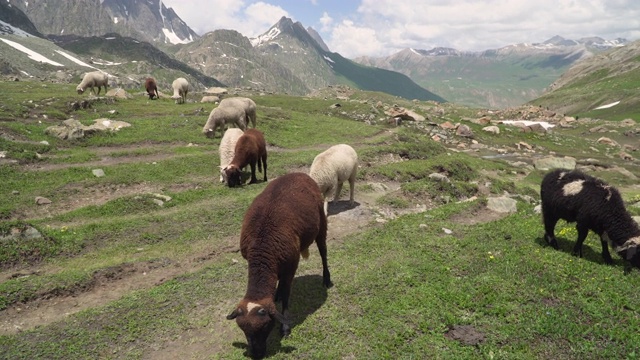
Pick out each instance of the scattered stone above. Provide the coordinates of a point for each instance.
(423, 226)
(44, 142)
(98, 172)
(537, 209)
(625, 156)
(158, 202)
(119, 93)
(210, 98)
(628, 122)
(464, 131)
(599, 128)
(447, 125)
(112, 112)
(551, 162)
(74, 129)
(439, 177)
(447, 231)
(502, 204)
(15, 192)
(523, 144)
(492, 129)
(607, 141)
(42, 200)
(217, 91)
(162, 197)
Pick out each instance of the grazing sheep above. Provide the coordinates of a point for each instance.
(222, 116)
(331, 168)
(93, 79)
(227, 149)
(247, 104)
(593, 205)
(180, 90)
(152, 88)
(250, 149)
(279, 226)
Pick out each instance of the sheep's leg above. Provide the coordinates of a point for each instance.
(605, 251)
(284, 291)
(549, 228)
(583, 230)
(338, 188)
(253, 173)
(352, 185)
(321, 241)
(264, 165)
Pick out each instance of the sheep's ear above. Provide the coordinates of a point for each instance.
(234, 314)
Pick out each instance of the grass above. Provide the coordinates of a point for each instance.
(401, 286)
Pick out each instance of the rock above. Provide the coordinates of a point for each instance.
(625, 156)
(464, 131)
(217, 91)
(119, 93)
(492, 129)
(73, 129)
(482, 121)
(628, 122)
(523, 144)
(42, 200)
(607, 141)
(165, 198)
(551, 162)
(98, 172)
(447, 125)
(538, 128)
(599, 128)
(537, 209)
(158, 202)
(439, 177)
(502, 204)
(210, 98)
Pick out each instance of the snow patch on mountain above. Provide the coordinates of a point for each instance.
(266, 37)
(175, 39)
(76, 60)
(7, 29)
(30, 53)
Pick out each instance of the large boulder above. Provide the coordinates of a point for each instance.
(551, 162)
(73, 129)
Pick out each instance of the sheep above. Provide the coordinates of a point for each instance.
(250, 149)
(247, 104)
(331, 168)
(279, 226)
(593, 205)
(220, 117)
(151, 87)
(93, 79)
(227, 148)
(180, 90)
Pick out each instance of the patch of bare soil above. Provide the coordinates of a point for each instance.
(106, 286)
(477, 215)
(466, 334)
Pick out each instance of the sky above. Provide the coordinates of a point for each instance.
(383, 27)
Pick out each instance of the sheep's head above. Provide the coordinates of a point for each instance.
(80, 90)
(257, 319)
(233, 175)
(209, 133)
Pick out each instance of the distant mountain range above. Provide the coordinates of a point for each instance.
(140, 38)
(496, 78)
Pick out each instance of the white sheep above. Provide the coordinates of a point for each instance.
(180, 89)
(222, 116)
(331, 168)
(93, 79)
(227, 149)
(247, 104)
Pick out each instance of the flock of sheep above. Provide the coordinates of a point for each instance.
(291, 212)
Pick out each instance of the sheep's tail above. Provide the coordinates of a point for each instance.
(305, 253)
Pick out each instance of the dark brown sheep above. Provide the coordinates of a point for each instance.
(250, 149)
(152, 88)
(593, 205)
(279, 226)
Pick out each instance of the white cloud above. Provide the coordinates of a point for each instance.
(351, 37)
(326, 21)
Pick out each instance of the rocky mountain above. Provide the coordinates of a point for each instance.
(287, 58)
(495, 78)
(149, 21)
(604, 85)
(13, 20)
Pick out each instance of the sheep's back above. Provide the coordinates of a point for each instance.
(228, 144)
(284, 219)
(339, 160)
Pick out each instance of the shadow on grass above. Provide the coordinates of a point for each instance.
(308, 294)
(590, 252)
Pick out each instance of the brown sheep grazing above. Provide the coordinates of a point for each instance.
(251, 148)
(152, 88)
(279, 226)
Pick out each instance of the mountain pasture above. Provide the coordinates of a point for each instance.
(144, 262)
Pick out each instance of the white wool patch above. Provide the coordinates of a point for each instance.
(608, 189)
(573, 188)
(251, 306)
(562, 174)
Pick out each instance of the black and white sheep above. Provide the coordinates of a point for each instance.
(93, 79)
(279, 226)
(250, 149)
(331, 168)
(227, 149)
(222, 116)
(180, 88)
(593, 205)
(151, 87)
(245, 103)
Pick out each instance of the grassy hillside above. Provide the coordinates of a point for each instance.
(604, 79)
(144, 262)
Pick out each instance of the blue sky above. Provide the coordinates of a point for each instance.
(382, 27)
